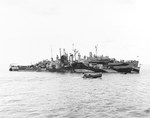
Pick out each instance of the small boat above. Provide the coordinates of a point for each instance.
(14, 67)
(93, 75)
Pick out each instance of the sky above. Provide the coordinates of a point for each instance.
(34, 30)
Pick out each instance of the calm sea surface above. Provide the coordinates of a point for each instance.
(53, 95)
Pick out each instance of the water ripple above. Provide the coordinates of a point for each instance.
(52, 95)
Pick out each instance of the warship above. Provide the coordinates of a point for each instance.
(69, 63)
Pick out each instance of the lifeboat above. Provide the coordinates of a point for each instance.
(92, 75)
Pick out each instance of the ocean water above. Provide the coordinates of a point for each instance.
(54, 95)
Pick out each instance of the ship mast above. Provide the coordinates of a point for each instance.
(75, 51)
(51, 53)
(60, 52)
(96, 50)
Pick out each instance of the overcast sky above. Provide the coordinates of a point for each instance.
(29, 29)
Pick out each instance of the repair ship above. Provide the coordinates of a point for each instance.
(91, 63)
